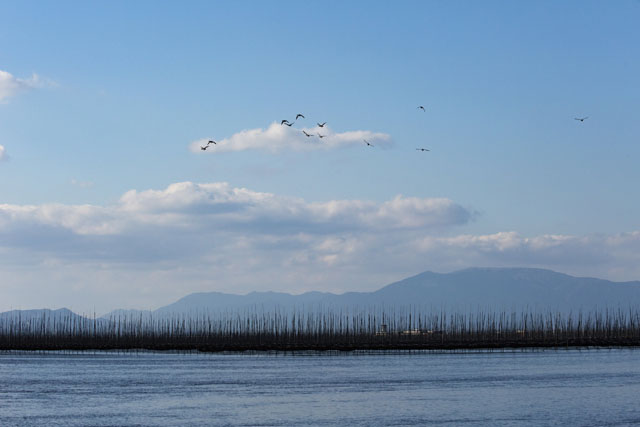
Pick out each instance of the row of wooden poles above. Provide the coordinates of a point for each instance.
(365, 329)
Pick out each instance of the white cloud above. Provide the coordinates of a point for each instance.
(3, 153)
(281, 137)
(11, 86)
(198, 207)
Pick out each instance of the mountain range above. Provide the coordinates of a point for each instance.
(463, 291)
(468, 289)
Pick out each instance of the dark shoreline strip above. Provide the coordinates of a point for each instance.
(364, 330)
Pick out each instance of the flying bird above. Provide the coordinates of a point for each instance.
(287, 124)
(423, 149)
(299, 115)
(422, 108)
(321, 136)
(582, 119)
(322, 125)
(368, 143)
(306, 134)
(211, 142)
(204, 147)
(284, 122)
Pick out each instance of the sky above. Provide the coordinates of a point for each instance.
(107, 200)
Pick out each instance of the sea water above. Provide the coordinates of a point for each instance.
(513, 388)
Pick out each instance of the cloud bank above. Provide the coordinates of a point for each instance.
(215, 207)
(152, 247)
(278, 137)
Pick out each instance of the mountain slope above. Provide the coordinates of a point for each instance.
(506, 288)
(45, 317)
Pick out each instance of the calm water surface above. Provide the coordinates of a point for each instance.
(566, 387)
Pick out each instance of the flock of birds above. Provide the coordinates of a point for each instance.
(286, 122)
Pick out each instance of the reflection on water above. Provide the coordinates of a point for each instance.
(565, 387)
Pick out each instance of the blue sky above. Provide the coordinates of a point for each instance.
(124, 89)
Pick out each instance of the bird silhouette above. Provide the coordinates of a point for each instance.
(423, 149)
(321, 136)
(422, 108)
(204, 147)
(287, 124)
(211, 142)
(284, 122)
(322, 125)
(368, 143)
(299, 115)
(581, 119)
(306, 134)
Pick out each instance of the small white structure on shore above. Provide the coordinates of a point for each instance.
(384, 330)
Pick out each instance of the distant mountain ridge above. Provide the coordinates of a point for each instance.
(468, 289)
(46, 317)
(37, 314)
(464, 290)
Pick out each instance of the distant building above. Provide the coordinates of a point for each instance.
(384, 330)
(411, 332)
